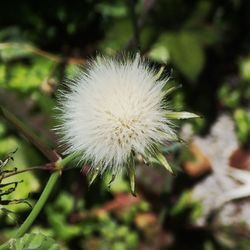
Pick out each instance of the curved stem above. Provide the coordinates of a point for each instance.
(60, 164)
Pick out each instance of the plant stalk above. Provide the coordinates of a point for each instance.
(59, 165)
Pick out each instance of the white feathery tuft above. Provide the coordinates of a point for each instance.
(115, 108)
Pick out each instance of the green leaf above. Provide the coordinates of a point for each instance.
(33, 242)
(159, 53)
(242, 119)
(186, 52)
(58, 213)
(181, 115)
(185, 203)
(245, 69)
(10, 51)
(26, 77)
(117, 37)
(117, 10)
(182, 204)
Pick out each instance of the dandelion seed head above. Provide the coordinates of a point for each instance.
(114, 108)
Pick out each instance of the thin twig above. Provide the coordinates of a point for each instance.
(37, 51)
(47, 167)
(135, 42)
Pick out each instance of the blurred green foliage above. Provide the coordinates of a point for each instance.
(34, 241)
(205, 46)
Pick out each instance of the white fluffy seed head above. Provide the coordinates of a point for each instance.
(115, 108)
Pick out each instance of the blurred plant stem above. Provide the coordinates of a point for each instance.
(135, 43)
(39, 52)
(58, 166)
(29, 134)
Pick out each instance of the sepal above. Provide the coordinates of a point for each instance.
(180, 115)
(131, 175)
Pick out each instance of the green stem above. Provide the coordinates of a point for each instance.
(39, 205)
(60, 164)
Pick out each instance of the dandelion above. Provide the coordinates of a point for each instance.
(114, 111)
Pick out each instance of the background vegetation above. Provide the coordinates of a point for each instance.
(205, 45)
